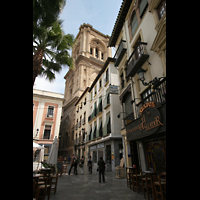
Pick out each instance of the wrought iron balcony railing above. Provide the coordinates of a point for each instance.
(120, 52)
(136, 59)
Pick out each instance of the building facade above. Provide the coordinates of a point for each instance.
(89, 54)
(80, 130)
(139, 36)
(47, 108)
(103, 128)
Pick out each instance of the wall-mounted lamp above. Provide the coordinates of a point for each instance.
(118, 116)
(132, 101)
(37, 132)
(154, 82)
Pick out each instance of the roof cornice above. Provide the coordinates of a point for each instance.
(119, 22)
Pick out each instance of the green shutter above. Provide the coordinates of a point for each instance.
(105, 131)
(100, 102)
(105, 99)
(100, 122)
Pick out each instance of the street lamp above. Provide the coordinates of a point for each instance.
(154, 82)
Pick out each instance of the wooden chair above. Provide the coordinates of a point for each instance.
(136, 181)
(54, 182)
(64, 169)
(129, 178)
(39, 194)
(150, 179)
(159, 187)
(35, 184)
(47, 187)
(41, 190)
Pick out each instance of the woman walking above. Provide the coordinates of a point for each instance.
(81, 165)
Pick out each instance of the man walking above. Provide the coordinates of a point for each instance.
(72, 164)
(101, 164)
(90, 165)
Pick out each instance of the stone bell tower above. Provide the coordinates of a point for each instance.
(89, 54)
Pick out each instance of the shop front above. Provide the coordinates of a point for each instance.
(147, 137)
(110, 150)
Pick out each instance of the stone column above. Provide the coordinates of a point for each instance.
(99, 54)
(93, 51)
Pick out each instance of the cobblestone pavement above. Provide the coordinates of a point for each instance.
(87, 187)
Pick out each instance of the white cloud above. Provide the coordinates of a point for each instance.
(57, 85)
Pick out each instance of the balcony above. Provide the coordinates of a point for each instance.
(158, 95)
(136, 59)
(120, 52)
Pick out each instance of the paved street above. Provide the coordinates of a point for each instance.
(87, 187)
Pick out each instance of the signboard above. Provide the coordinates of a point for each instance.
(100, 145)
(93, 147)
(113, 89)
(147, 124)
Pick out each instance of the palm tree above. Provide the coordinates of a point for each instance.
(50, 50)
(50, 45)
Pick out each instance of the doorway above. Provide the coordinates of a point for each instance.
(134, 153)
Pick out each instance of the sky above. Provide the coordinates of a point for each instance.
(101, 14)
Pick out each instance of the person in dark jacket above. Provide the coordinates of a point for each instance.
(101, 165)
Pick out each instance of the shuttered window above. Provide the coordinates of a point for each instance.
(134, 23)
(128, 105)
(142, 7)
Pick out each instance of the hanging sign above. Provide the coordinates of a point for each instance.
(147, 124)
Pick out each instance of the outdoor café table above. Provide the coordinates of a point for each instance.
(150, 175)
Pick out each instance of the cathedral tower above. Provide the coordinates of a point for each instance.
(89, 54)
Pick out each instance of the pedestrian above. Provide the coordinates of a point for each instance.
(65, 160)
(75, 165)
(72, 163)
(81, 165)
(101, 166)
(69, 159)
(90, 165)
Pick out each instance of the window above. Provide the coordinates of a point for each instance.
(102, 56)
(142, 7)
(122, 80)
(107, 78)
(100, 83)
(96, 53)
(95, 89)
(91, 51)
(145, 95)
(139, 51)
(47, 132)
(94, 156)
(134, 23)
(85, 101)
(50, 112)
(161, 9)
(100, 131)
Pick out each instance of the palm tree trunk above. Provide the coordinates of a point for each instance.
(37, 62)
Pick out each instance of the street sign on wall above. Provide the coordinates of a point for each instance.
(113, 89)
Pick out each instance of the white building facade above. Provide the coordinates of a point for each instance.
(103, 127)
